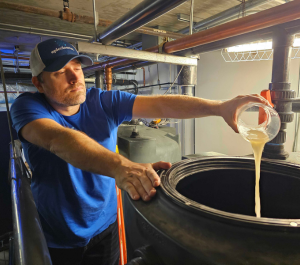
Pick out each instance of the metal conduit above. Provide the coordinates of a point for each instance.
(140, 15)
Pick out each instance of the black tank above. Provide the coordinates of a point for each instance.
(203, 213)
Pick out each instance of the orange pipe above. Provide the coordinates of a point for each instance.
(121, 226)
(108, 78)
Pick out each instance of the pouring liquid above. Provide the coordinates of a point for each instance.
(258, 139)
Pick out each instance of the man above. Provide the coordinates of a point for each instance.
(69, 135)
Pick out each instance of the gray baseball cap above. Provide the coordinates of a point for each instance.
(52, 55)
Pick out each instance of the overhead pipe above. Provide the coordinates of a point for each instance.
(292, 27)
(231, 12)
(138, 16)
(72, 17)
(267, 18)
(43, 32)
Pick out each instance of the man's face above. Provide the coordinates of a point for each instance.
(65, 87)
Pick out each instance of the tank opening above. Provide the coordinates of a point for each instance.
(232, 190)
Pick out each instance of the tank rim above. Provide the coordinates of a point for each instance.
(171, 177)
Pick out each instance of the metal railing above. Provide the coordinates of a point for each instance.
(30, 246)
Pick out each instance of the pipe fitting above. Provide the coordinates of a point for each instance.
(68, 15)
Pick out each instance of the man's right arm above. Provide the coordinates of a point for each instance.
(83, 152)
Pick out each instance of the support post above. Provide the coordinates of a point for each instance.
(99, 79)
(281, 92)
(187, 81)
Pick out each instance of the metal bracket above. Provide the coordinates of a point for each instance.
(161, 47)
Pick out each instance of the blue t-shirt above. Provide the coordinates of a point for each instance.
(74, 205)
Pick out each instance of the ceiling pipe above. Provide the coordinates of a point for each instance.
(264, 19)
(267, 18)
(138, 16)
(225, 20)
(231, 12)
(292, 27)
(71, 17)
(43, 32)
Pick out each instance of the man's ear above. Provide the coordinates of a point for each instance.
(37, 84)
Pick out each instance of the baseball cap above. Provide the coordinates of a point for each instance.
(52, 55)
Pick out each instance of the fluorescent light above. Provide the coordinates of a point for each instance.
(251, 47)
(296, 43)
(257, 46)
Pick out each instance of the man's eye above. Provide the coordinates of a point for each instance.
(62, 72)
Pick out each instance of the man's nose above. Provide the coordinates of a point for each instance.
(73, 76)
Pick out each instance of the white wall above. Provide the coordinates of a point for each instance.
(218, 79)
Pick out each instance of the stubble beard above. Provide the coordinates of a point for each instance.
(70, 98)
(75, 98)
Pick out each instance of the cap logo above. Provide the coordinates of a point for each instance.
(62, 48)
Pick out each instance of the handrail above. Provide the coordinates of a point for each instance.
(29, 241)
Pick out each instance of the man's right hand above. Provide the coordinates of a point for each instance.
(139, 180)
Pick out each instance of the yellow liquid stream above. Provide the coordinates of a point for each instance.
(258, 139)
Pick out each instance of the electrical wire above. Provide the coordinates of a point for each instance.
(174, 81)
(7, 106)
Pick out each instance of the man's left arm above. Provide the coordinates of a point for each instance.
(186, 107)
